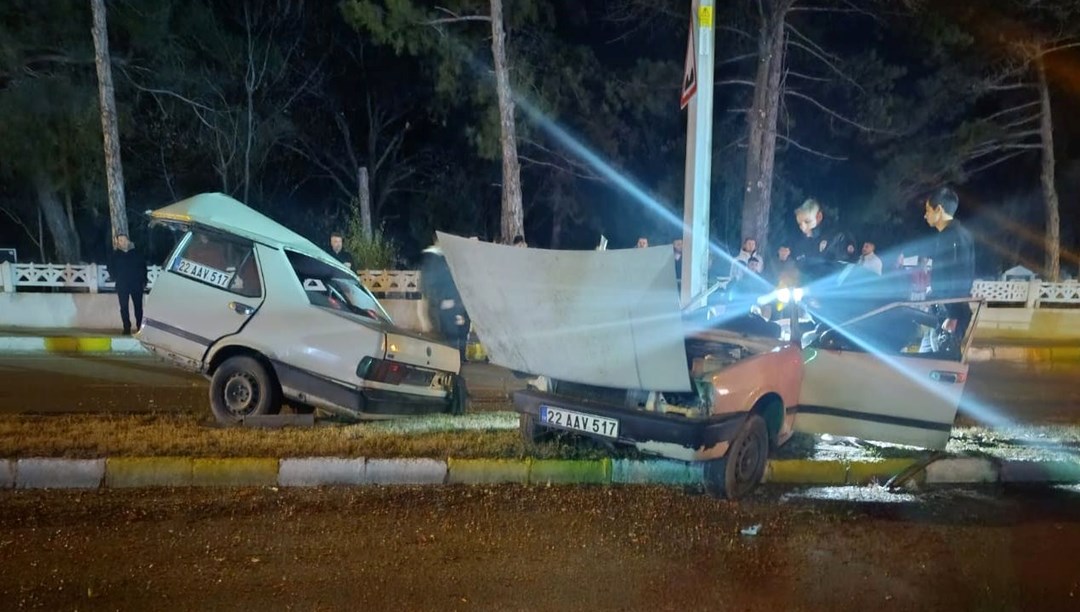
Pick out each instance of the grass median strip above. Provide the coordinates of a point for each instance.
(185, 435)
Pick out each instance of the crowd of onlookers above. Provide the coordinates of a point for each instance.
(827, 263)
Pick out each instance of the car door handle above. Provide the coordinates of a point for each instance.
(948, 377)
(241, 308)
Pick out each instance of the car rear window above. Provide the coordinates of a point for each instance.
(224, 262)
(329, 287)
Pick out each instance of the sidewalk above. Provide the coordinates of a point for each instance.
(21, 340)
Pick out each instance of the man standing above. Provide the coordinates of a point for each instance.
(642, 243)
(816, 249)
(869, 259)
(952, 258)
(782, 271)
(336, 243)
(127, 268)
(444, 306)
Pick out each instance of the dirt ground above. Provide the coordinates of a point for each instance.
(537, 548)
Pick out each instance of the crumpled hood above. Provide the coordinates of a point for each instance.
(607, 318)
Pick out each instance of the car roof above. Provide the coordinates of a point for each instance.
(221, 212)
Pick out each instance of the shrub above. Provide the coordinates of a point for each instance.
(375, 253)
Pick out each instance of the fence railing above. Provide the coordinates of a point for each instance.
(94, 278)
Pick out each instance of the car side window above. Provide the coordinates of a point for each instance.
(908, 331)
(220, 261)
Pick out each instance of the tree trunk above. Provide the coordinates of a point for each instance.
(556, 228)
(41, 235)
(512, 216)
(1050, 196)
(69, 209)
(363, 192)
(114, 172)
(65, 245)
(762, 118)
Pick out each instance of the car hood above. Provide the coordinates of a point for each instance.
(220, 212)
(606, 318)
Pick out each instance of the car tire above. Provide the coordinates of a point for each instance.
(459, 396)
(743, 466)
(243, 387)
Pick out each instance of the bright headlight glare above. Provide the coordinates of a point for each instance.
(784, 295)
(797, 294)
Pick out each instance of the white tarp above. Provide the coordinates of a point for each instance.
(608, 318)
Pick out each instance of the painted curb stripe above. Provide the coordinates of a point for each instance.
(320, 471)
(961, 470)
(487, 471)
(7, 474)
(806, 471)
(48, 473)
(558, 471)
(246, 472)
(125, 472)
(405, 471)
(866, 472)
(658, 471)
(77, 344)
(1040, 471)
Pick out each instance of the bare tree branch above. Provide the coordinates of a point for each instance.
(806, 77)
(454, 17)
(538, 162)
(991, 164)
(836, 115)
(23, 225)
(818, 53)
(1018, 107)
(801, 147)
(735, 82)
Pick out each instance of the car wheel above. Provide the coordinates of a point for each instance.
(243, 387)
(459, 396)
(742, 468)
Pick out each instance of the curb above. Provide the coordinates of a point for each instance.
(128, 472)
(71, 344)
(1025, 354)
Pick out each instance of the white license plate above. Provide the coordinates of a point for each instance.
(568, 419)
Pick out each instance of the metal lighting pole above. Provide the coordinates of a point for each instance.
(698, 91)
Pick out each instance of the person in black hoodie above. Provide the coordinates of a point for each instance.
(127, 267)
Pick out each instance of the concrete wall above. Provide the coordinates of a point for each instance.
(100, 312)
(1028, 324)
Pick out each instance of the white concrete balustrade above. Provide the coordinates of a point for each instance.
(81, 296)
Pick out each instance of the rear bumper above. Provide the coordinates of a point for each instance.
(672, 436)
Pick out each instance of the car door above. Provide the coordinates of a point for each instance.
(210, 286)
(881, 377)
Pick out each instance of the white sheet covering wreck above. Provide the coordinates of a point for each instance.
(608, 318)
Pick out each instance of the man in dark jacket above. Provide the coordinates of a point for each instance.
(127, 268)
(952, 254)
(445, 308)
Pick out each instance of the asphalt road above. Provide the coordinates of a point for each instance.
(44, 384)
(538, 548)
(1043, 394)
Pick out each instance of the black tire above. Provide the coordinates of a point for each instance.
(459, 396)
(742, 468)
(242, 387)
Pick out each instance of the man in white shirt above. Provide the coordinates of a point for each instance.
(869, 259)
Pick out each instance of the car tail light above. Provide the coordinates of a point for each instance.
(389, 372)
